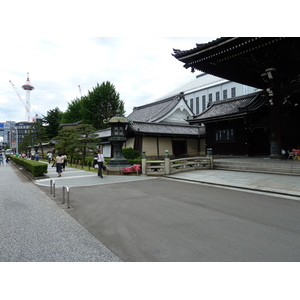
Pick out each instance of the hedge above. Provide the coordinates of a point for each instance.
(34, 167)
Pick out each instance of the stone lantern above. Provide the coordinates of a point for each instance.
(118, 124)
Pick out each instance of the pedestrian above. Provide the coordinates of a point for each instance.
(1, 159)
(37, 157)
(59, 161)
(49, 154)
(100, 161)
(7, 160)
(95, 163)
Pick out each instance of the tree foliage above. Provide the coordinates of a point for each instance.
(73, 113)
(52, 121)
(35, 136)
(101, 103)
(77, 141)
(65, 141)
(88, 141)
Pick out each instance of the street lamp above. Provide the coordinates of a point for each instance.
(118, 124)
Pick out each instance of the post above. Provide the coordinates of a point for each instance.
(144, 163)
(167, 163)
(52, 187)
(68, 192)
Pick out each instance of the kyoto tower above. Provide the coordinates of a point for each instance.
(28, 88)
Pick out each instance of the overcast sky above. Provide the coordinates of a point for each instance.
(67, 44)
(142, 70)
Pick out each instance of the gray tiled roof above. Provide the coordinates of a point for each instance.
(153, 111)
(167, 129)
(232, 107)
(104, 133)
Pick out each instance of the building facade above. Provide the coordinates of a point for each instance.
(206, 88)
(270, 64)
(160, 126)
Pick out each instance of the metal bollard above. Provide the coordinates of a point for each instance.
(52, 187)
(68, 192)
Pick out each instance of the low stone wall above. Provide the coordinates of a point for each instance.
(167, 166)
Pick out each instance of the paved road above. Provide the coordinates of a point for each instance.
(165, 219)
(159, 219)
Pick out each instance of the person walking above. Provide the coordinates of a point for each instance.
(49, 154)
(59, 162)
(1, 159)
(100, 161)
(37, 157)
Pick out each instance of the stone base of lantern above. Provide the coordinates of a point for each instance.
(115, 170)
(115, 166)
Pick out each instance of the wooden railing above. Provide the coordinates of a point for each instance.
(167, 166)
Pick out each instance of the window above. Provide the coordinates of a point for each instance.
(209, 97)
(197, 105)
(192, 105)
(203, 103)
(225, 94)
(225, 135)
(233, 92)
(217, 96)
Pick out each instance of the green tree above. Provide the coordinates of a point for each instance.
(88, 140)
(66, 141)
(52, 121)
(37, 134)
(73, 112)
(27, 141)
(101, 104)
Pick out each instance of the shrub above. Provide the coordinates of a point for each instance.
(34, 167)
(129, 153)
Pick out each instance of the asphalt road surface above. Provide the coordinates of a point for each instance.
(167, 220)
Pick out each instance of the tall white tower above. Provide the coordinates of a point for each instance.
(28, 88)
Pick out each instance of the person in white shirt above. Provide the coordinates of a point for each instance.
(100, 161)
(49, 154)
(59, 161)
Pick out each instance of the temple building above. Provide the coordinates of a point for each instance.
(160, 126)
(264, 122)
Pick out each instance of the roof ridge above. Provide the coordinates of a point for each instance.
(164, 111)
(163, 124)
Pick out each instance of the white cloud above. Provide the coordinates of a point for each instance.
(141, 68)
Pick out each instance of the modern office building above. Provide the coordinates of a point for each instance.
(206, 88)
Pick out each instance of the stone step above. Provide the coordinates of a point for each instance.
(286, 169)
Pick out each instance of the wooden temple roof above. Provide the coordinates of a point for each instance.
(231, 109)
(247, 60)
(167, 129)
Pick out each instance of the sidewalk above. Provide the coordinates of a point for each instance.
(35, 229)
(285, 185)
